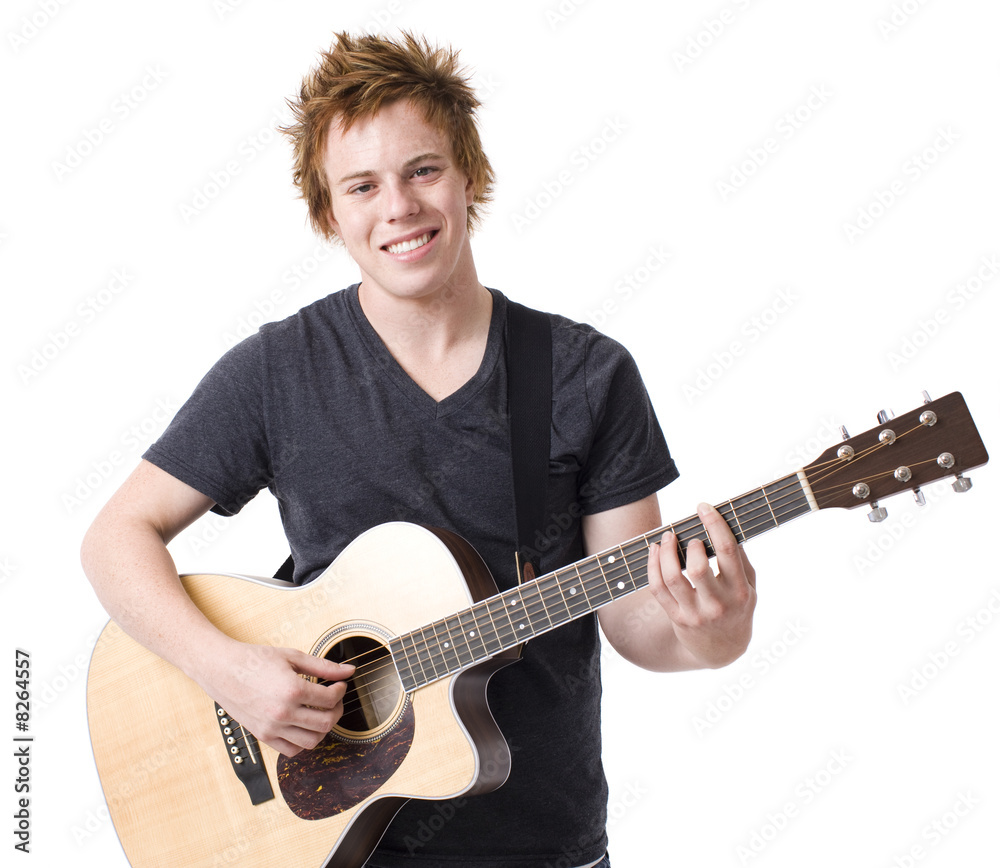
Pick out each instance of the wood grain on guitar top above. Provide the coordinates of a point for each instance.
(168, 781)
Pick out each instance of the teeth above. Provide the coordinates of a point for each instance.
(412, 244)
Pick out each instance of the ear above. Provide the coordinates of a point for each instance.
(470, 193)
(332, 224)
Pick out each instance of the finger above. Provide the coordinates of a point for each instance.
(667, 580)
(319, 667)
(322, 697)
(748, 569)
(727, 551)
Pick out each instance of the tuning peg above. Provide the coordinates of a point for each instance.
(918, 496)
(961, 484)
(878, 513)
(884, 416)
(843, 433)
(927, 396)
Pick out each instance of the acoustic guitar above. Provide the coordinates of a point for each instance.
(415, 609)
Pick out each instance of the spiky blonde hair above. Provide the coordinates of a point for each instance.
(357, 77)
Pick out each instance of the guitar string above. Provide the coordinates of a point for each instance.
(558, 597)
(761, 501)
(587, 578)
(835, 465)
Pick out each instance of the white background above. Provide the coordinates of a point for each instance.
(798, 298)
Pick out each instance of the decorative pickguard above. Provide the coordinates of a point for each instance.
(338, 774)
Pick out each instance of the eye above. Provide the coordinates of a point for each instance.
(361, 188)
(425, 171)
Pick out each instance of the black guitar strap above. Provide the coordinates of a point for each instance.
(529, 407)
(528, 340)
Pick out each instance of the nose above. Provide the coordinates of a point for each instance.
(399, 202)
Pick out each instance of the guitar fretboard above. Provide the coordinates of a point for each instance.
(505, 620)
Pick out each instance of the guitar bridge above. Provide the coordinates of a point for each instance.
(245, 757)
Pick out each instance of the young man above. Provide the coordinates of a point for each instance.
(387, 401)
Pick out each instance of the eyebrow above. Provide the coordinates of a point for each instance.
(409, 164)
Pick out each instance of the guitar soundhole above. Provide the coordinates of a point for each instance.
(375, 697)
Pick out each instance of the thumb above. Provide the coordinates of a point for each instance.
(320, 667)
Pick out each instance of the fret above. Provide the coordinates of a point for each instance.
(738, 530)
(459, 641)
(637, 556)
(534, 608)
(400, 657)
(429, 653)
(556, 610)
(687, 530)
(486, 629)
(442, 636)
(616, 585)
(754, 513)
(514, 616)
(414, 654)
(787, 498)
(471, 634)
(500, 619)
(594, 584)
(574, 594)
(624, 564)
(518, 614)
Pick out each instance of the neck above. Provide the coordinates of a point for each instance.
(532, 608)
(429, 321)
(438, 339)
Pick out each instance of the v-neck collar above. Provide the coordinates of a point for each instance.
(404, 382)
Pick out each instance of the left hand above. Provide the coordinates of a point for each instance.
(712, 614)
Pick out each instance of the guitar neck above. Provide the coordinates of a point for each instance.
(506, 620)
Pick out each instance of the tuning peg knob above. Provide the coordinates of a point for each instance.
(918, 496)
(884, 416)
(961, 484)
(843, 433)
(927, 396)
(878, 513)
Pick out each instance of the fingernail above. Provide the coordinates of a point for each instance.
(704, 509)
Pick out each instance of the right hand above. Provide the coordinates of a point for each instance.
(262, 688)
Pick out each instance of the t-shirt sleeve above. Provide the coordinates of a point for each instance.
(628, 458)
(217, 442)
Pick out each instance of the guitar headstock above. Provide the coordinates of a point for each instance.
(934, 441)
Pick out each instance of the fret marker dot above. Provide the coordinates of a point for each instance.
(513, 602)
(520, 626)
(611, 559)
(472, 632)
(447, 644)
(621, 586)
(572, 591)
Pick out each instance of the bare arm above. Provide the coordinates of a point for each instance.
(125, 557)
(701, 620)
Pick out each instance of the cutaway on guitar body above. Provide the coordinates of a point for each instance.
(330, 805)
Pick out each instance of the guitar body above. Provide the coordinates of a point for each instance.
(173, 782)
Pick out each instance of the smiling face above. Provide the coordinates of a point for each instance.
(400, 204)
